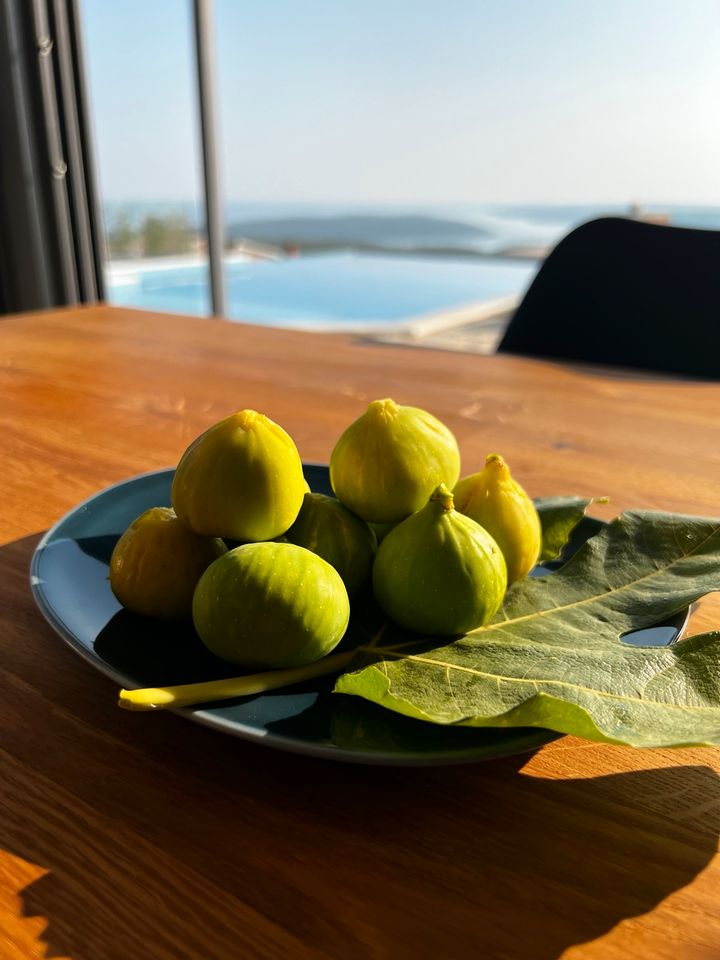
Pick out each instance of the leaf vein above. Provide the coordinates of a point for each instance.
(593, 599)
(558, 683)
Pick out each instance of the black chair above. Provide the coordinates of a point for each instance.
(626, 293)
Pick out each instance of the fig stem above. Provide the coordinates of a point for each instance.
(443, 496)
(183, 695)
(187, 694)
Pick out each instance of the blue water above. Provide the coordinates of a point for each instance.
(330, 291)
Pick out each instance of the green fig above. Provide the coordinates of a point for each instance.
(388, 462)
(438, 572)
(331, 531)
(268, 605)
(157, 563)
(494, 500)
(242, 479)
(381, 530)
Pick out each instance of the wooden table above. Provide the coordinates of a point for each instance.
(133, 835)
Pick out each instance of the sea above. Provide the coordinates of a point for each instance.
(501, 225)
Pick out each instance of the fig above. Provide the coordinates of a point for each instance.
(381, 530)
(242, 479)
(387, 463)
(267, 605)
(439, 572)
(331, 531)
(494, 500)
(157, 563)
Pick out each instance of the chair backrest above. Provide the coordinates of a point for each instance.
(626, 293)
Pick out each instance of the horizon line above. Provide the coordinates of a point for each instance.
(428, 203)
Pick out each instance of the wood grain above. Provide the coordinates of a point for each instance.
(127, 835)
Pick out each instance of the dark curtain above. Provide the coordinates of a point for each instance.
(50, 232)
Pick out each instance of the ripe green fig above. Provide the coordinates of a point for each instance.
(268, 605)
(331, 531)
(381, 530)
(388, 462)
(494, 500)
(241, 479)
(157, 563)
(439, 572)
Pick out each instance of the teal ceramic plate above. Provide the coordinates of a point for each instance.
(69, 577)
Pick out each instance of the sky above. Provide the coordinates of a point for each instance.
(413, 101)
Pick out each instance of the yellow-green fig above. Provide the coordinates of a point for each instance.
(438, 572)
(157, 563)
(381, 530)
(331, 531)
(241, 479)
(494, 500)
(268, 605)
(388, 462)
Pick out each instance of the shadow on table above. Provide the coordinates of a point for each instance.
(456, 896)
(166, 840)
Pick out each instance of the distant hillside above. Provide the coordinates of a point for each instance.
(365, 231)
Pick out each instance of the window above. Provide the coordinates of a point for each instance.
(386, 162)
(142, 89)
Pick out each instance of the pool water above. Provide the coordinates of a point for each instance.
(332, 291)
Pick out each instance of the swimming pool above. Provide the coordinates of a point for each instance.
(338, 291)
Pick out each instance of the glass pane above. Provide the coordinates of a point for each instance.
(386, 161)
(142, 91)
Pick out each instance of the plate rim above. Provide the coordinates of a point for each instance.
(532, 739)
